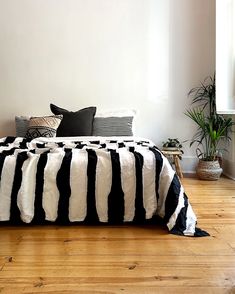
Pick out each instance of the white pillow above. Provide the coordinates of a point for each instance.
(116, 113)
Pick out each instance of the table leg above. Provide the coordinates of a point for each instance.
(177, 166)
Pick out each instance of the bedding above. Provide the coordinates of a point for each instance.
(43, 126)
(91, 179)
(114, 123)
(21, 125)
(107, 123)
(112, 126)
(74, 123)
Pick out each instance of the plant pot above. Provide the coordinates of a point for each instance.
(209, 170)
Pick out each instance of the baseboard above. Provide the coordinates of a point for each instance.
(229, 169)
(228, 176)
(190, 175)
(188, 164)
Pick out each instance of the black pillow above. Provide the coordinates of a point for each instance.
(78, 123)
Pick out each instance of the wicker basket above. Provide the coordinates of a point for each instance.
(209, 170)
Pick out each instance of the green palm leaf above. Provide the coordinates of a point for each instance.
(212, 128)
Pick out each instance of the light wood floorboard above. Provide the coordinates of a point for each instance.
(127, 259)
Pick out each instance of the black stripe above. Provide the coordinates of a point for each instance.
(132, 149)
(39, 213)
(40, 145)
(92, 216)
(14, 210)
(97, 142)
(80, 146)
(139, 203)
(180, 224)
(9, 140)
(200, 233)
(116, 196)
(9, 152)
(60, 144)
(172, 198)
(121, 145)
(63, 184)
(158, 167)
(102, 146)
(23, 143)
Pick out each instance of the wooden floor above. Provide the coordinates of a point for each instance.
(127, 259)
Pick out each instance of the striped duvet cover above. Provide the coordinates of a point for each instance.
(91, 179)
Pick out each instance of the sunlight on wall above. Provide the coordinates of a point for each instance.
(158, 51)
(225, 56)
(225, 72)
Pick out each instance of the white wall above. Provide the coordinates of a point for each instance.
(229, 156)
(225, 72)
(225, 45)
(141, 54)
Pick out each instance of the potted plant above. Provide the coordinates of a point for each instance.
(172, 145)
(213, 128)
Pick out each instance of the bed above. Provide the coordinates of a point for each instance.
(81, 166)
(91, 179)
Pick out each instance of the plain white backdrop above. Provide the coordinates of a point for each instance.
(114, 54)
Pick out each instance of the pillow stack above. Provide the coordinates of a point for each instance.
(83, 122)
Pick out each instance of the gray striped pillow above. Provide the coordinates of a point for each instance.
(21, 125)
(112, 126)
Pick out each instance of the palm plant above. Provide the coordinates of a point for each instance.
(212, 127)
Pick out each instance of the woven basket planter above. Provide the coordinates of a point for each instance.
(209, 170)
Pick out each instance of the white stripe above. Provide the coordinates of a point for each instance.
(2, 148)
(7, 178)
(128, 180)
(149, 172)
(26, 193)
(103, 183)
(2, 140)
(50, 191)
(190, 222)
(78, 185)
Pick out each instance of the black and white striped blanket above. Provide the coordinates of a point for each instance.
(94, 179)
